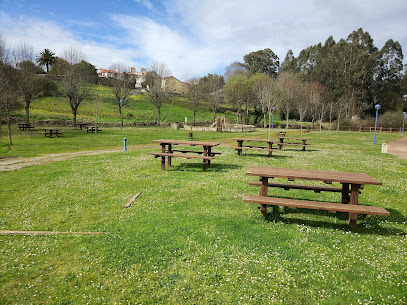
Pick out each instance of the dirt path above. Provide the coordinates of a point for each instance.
(15, 163)
(398, 148)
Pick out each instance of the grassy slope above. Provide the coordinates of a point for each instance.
(189, 238)
(102, 103)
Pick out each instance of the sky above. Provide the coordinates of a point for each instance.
(193, 37)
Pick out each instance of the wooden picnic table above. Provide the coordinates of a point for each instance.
(296, 143)
(51, 132)
(25, 126)
(240, 145)
(352, 184)
(206, 155)
(82, 125)
(93, 129)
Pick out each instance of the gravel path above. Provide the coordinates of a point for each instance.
(398, 148)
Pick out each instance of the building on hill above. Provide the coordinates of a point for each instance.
(133, 74)
(174, 85)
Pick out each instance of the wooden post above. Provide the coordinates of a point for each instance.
(169, 151)
(239, 144)
(270, 148)
(345, 193)
(263, 192)
(354, 199)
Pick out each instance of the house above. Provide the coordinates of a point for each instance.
(133, 74)
(173, 85)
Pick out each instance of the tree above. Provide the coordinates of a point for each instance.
(265, 91)
(195, 94)
(318, 97)
(29, 84)
(236, 68)
(262, 61)
(156, 91)
(213, 84)
(289, 64)
(59, 66)
(9, 94)
(47, 58)
(236, 93)
(388, 77)
(121, 85)
(76, 82)
(290, 86)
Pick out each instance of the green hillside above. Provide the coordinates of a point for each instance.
(102, 104)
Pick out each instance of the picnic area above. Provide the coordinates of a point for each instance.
(190, 237)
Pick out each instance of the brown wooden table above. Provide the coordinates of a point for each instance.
(296, 143)
(167, 150)
(240, 145)
(352, 183)
(50, 132)
(95, 129)
(25, 126)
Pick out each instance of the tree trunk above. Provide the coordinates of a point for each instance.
(214, 114)
(9, 132)
(27, 112)
(74, 112)
(194, 118)
(158, 116)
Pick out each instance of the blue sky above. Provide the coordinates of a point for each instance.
(193, 37)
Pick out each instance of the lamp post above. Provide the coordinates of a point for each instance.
(121, 115)
(377, 107)
(272, 118)
(404, 119)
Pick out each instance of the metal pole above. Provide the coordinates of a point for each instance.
(121, 115)
(377, 107)
(125, 144)
(272, 118)
(404, 119)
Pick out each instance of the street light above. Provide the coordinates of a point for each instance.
(272, 118)
(404, 119)
(377, 107)
(121, 115)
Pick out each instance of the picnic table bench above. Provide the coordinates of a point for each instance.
(294, 142)
(25, 126)
(269, 148)
(352, 184)
(206, 155)
(50, 132)
(93, 129)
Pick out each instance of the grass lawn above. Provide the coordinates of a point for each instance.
(189, 238)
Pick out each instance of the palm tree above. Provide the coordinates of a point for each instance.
(47, 58)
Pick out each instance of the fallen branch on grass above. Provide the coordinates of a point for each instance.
(128, 204)
(6, 232)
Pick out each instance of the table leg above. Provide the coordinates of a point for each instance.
(169, 151)
(281, 144)
(354, 199)
(303, 144)
(209, 152)
(270, 148)
(162, 163)
(345, 193)
(239, 144)
(263, 192)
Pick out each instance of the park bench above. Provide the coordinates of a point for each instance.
(350, 196)
(269, 148)
(206, 155)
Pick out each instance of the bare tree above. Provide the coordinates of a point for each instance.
(195, 94)
(155, 81)
(9, 94)
(213, 85)
(75, 84)
(236, 68)
(121, 84)
(290, 86)
(4, 53)
(29, 85)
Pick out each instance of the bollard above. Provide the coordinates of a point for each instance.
(190, 135)
(384, 148)
(125, 144)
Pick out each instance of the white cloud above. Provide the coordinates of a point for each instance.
(197, 37)
(41, 34)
